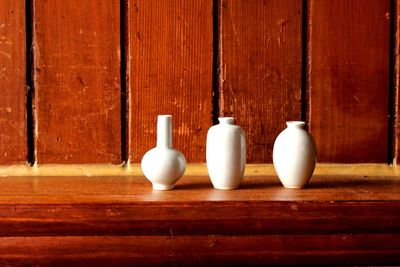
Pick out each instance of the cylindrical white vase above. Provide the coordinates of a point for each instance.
(163, 165)
(226, 154)
(294, 155)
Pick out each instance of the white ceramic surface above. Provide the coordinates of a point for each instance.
(226, 154)
(163, 165)
(294, 155)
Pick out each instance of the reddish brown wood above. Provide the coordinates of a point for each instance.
(13, 141)
(89, 190)
(199, 218)
(128, 206)
(170, 72)
(349, 79)
(121, 220)
(260, 62)
(77, 81)
(201, 250)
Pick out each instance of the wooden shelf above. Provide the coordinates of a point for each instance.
(118, 220)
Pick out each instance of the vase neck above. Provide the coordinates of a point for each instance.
(226, 120)
(296, 124)
(164, 131)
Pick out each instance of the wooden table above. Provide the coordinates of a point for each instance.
(347, 215)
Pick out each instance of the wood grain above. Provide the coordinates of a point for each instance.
(170, 72)
(200, 250)
(128, 189)
(120, 220)
(33, 206)
(77, 81)
(260, 80)
(13, 141)
(241, 217)
(349, 79)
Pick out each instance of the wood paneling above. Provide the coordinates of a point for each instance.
(170, 72)
(77, 81)
(349, 79)
(13, 141)
(260, 64)
(168, 55)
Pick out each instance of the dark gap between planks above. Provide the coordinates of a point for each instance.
(124, 111)
(216, 62)
(393, 69)
(305, 64)
(30, 92)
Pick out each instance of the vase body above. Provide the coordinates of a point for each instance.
(294, 155)
(226, 154)
(163, 165)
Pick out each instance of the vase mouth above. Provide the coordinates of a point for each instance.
(226, 120)
(297, 124)
(164, 116)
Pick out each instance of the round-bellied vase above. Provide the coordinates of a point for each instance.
(294, 155)
(163, 165)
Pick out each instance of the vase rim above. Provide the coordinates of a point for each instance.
(299, 124)
(165, 116)
(229, 120)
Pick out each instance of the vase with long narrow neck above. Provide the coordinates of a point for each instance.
(294, 155)
(163, 165)
(226, 154)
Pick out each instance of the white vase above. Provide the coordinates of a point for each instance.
(163, 165)
(226, 154)
(294, 155)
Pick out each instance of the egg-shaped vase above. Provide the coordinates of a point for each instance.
(294, 155)
(163, 165)
(226, 154)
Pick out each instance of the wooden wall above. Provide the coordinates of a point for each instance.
(83, 81)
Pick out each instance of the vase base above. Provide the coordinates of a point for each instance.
(225, 188)
(293, 187)
(162, 187)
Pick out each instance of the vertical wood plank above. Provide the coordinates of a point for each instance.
(170, 72)
(77, 81)
(349, 79)
(260, 82)
(13, 141)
